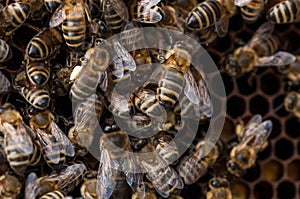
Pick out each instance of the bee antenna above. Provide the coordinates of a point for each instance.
(278, 108)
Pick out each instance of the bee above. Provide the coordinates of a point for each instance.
(219, 188)
(251, 9)
(171, 19)
(284, 12)
(39, 98)
(5, 51)
(186, 5)
(259, 51)
(36, 8)
(291, 103)
(52, 5)
(146, 11)
(115, 14)
(252, 139)
(43, 45)
(196, 165)
(38, 72)
(86, 117)
(4, 83)
(87, 81)
(10, 186)
(88, 189)
(115, 155)
(53, 195)
(65, 181)
(53, 142)
(13, 16)
(163, 177)
(144, 190)
(292, 72)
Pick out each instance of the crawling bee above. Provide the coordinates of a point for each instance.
(197, 163)
(5, 51)
(53, 142)
(292, 72)
(251, 10)
(252, 139)
(259, 51)
(146, 11)
(219, 188)
(39, 98)
(284, 12)
(65, 180)
(38, 72)
(10, 186)
(291, 103)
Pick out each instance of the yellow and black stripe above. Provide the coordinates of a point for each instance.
(38, 73)
(53, 195)
(283, 12)
(252, 10)
(267, 46)
(39, 98)
(5, 52)
(18, 161)
(148, 13)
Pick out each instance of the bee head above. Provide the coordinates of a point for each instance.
(291, 101)
(218, 182)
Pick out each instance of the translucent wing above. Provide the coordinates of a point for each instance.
(221, 27)
(241, 3)
(30, 186)
(120, 7)
(149, 3)
(58, 16)
(148, 12)
(252, 123)
(103, 82)
(4, 83)
(120, 103)
(266, 28)
(205, 103)
(280, 58)
(61, 137)
(191, 89)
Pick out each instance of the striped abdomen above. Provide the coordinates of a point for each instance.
(147, 13)
(53, 195)
(204, 15)
(36, 155)
(283, 12)
(39, 98)
(170, 87)
(267, 46)
(74, 26)
(14, 15)
(252, 10)
(38, 73)
(5, 52)
(113, 19)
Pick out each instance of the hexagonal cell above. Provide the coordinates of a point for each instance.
(228, 129)
(235, 106)
(270, 84)
(276, 128)
(259, 105)
(240, 190)
(292, 127)
(265, 153)
(252, 174)
(263, 190)
(284, 149)
(278, 106)
(286, 189)
(228, 82)
(293, 170)
(272, 170)
(246, 84)
(222, 44)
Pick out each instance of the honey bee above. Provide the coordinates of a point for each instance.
(259, 51)
(187, 5)
(144, 190)
(115, 154)
(284, 12)
(86, 117)
(52, 5)
(163, 177)
(10, 186)
(39, 98)
(5, 51)
(53, 195)
(291, 103)
(65, 180)
(4, 83)
(53, 142)
(252, 139)
(219, 188)
(196, 165)
(146, 11)
(88, 189)
(171, 20)
(36, 8)
(251, 9)
(38, 72)
(13, 16)
(292, 72)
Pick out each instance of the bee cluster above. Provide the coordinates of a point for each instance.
(63, 80)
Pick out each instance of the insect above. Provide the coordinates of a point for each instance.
(88, 189)
(171, 20)
(144, 190)
(53, 142)
(251, 9)
(39, 98)
(38, 72)
(65, 180)
(194, 166)
(13, 16)
(10, 186)
(259, 51)
(43, 45)
(292, 72)
(52, 5)
(252, 139)
(4, 83)
(284, 12)
(53, 195)
(5, 51)
(146, 11)
(163, 177)
(219, 188)
(186, 5)
(291, 103)
(115, 155)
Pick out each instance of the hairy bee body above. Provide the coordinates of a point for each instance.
(251, 11)
(53, 195)
(115, 19)
(88, 189)
(43, 45)
(52, 5)
(14, 15)
(39, 98)
(204, 15)
(145, 190)
(284, 12)
(219, 188)
(38, 72)
(5, 51)
(10, 186)
(291, 103)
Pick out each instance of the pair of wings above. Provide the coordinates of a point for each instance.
(147, 11)
(117, 5)
(46, 141)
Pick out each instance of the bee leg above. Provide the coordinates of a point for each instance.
(32, 27)
(265, 145)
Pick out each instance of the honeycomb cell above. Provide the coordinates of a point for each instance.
(272, 170)
(240, 190)
(252, 174)
(259, 105)
(246, 85)
(292, 127)
(284, 149)
(278, 106)
(263, 190)
(235, 106)
(293, 170)
(228, 82)
(270, 84)
(243, 36)
(265, 153)
(228, 129)
(222, 44)
(276, 128)
(286, 189)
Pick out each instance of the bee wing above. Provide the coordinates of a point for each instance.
(30, 185)
(191, 89)
(148, 12)
(149, 3)
(120, 103)
(103, 82)
(120, 7)
(58, 16)
(221, 27)
(280, 58)
(105, 177)
(61, 137)
(4, 83)
(205, 103)
(266, 28)
(19, 137)
(241, 3)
